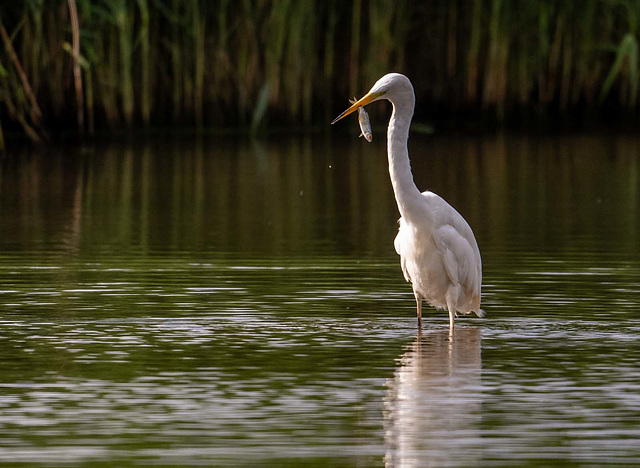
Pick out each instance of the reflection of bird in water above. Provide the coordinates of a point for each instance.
(432, 410)
(438, 251)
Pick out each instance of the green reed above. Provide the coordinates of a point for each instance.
(257, 63)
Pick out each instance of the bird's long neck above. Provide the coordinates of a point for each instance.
(407, 194)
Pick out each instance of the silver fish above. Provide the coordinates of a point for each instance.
(363, 120)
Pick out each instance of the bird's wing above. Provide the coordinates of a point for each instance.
(459, 258)
(447, 241)
(452, 233)
(456, 243)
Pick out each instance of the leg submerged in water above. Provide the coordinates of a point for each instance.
(419, 309)
(452, 316)
(452, 301)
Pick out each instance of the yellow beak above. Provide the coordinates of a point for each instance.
(359, 103)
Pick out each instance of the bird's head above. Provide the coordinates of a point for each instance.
(392, 86)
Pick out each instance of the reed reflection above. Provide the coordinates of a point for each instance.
(305, 196)
(432, 410)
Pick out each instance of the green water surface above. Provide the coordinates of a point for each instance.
(219, 302)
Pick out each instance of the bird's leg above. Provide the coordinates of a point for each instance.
(419, 309)
(452, 316)
(452, 301)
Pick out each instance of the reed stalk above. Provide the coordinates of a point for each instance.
(77, 75)
(328, 58)
(354, 63)
(122, 17)
(198, 66)
(276, 35)
(34, 112)
(145, 65)
(173, 44)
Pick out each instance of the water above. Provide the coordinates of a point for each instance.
(224, 303)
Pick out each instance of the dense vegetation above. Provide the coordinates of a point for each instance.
(83, 64)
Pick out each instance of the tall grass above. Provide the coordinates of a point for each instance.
(90, 64)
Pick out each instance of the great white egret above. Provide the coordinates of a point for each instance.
(438, 252)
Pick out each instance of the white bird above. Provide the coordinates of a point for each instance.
(438, 252)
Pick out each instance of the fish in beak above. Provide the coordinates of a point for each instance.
(369, 97)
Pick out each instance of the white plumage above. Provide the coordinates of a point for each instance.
(440, 257)
(438, 252)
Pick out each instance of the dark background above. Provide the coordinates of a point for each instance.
(108, 65)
